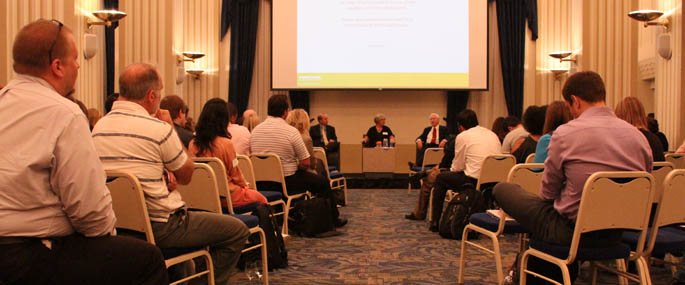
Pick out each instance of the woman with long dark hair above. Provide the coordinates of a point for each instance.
(213, 140)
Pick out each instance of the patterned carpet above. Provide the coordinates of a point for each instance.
(379, 246)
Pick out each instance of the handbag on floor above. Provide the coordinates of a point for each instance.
(456, 215)
(312, 218)
(276, 252)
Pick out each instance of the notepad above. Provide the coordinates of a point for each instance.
(496, 213)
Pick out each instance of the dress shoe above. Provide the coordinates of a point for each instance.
(434, 228)
(411, 216)
(416, 178)
(340, 222)
(411, 164)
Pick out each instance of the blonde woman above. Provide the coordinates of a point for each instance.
(299, 119)
(631, 110)
(251, 121)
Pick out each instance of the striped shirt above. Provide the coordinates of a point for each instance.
(129, 139)
(274, 135)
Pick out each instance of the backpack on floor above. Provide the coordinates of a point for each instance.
(456, 215)
(275, 246)
(312, 218)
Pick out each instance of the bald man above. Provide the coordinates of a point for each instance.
(139, 137)
(56, 211)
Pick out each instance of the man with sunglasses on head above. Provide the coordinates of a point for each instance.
(56, 211)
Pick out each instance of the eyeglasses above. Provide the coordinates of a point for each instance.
(59, 30)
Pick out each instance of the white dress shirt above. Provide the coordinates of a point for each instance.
(471, 148)
(240, 137)
(51, 180)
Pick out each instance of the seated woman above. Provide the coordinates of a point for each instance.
(212, 140)
(533, 122)
(378, 132)
(631, 110)
(299, 119)
(557, 114)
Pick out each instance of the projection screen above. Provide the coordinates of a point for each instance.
(379, 44)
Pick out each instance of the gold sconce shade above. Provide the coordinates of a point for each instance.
(107, 17)
(189, 56)
(563, 55)
(558, 72)
(649, 17)
(195, 72)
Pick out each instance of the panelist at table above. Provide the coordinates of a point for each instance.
(378, 132)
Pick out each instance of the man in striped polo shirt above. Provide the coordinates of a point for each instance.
(276, 136)
(138, 137)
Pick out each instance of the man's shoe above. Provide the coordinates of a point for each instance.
(434, 228)
(340, 222)
(411, 164)
(411, 216)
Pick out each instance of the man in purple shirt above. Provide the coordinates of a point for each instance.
(596, 140)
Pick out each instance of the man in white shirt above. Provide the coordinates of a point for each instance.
(240, 136)
(517, 134)
(56, 211)
(276, 136)
(473, 144)
(138, 137)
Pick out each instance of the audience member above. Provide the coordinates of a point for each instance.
(428, 177)
(190, 124)
(58, 226)
(516, 135)
(239, 135)
(178, 111)
(378, 133)
(432, 136)
(533, 122)
(499, 129)
(93, 117)
(275, 136)
(631, 110)
(299, 119)
(139, 137)
(109, 101)
(251, 119)
(653, 126)
(247, 113)
(595, 141)
(473, 144)
(558, 113)
(212, 140)
(323, 135)
(681, 148)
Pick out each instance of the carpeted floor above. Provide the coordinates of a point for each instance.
(379, 246)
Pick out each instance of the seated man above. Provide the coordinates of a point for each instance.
(516, 135)
(240, 136)
(276, 136)
(323, 135)
(473, 144)
(595, 141)
(139, 137)
(178, 111)
(56, 211)
(432, 136)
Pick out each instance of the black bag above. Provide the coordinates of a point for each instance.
(456, 215)
(275, 246)
(312, 218)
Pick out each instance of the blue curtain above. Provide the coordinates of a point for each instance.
(511, 22)
(241, 16)
(456, 102)
(109, 49)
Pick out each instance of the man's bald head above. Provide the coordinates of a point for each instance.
(31, 49)
(137, 80)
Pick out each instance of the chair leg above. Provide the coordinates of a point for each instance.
(498, 259)
(622, 266)
(594, 272)
(265, 260)
(284, 230)
(409, 187)
(643, 270)
(522, 268)
(429, 213)
(345, 189)
(462, 256)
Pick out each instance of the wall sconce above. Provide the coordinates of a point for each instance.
(562, 56)
(107, 16)
(648, 16)
(189, 56)
(195, 72)
(558, 72)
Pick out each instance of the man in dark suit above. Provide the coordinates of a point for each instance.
(324, 136)
(432, 136)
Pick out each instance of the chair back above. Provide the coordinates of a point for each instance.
(202, 192)
(221, 178)
(267, 167)
(432, 156)
(678, 160)
(528, 176)
(495, 168)
(320, 153)
(670, 209)
(614, 200)
(659, 171)
(128, 203)
(245, 165)
(530, 158)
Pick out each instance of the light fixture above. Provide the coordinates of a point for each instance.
(195, 72)
(648, 16)
(558, 72)
(189, 56)
(107, 16)
(562, 56)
